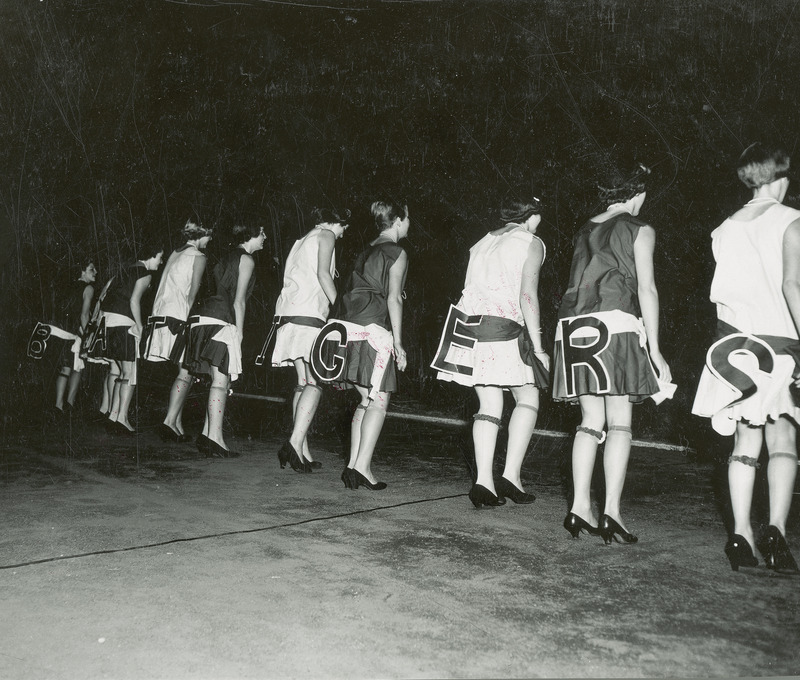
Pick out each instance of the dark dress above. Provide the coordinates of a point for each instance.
(202, 350)
(120, 344)
(603, 279)
(67, 316)
(364, 303)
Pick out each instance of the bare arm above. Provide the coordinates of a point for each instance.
(324, 256)
(198, 267)
(246, 267)
(529, 298)
(86, 306)
(648, 296)
(139, 288)
(394, 301)
(791, 270)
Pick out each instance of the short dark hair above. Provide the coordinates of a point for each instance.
(385, 213)
(514, 210)
(330, 216)
(242, 233)
(762, 164)
(626, 187)
(194, 230)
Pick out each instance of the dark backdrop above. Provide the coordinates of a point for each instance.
(118, 120)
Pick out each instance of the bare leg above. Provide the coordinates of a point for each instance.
(215, 414)
(741, 477)
(584, 452)
(305, 402)
(617, 453)
(520, 430)
(108, 388)
(355, 425)
(485, 427)
(74, 384)
(371, 426)
(113, 413)
(177, 399)
(61, 386)
(782, 470)
(126, 393)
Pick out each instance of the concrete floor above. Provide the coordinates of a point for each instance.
(129, 558)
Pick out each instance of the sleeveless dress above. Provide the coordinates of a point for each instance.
(749, 369)
(491, 296)
(212, 338)
(302, 307)
(121, 343)
(366, 358)
(165, 338)
(601, 345)
(59, 341)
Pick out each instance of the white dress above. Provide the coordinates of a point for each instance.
(747, 290)
(301, 296)
(492, 287)
(172, 302)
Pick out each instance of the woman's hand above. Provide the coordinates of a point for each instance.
(400, 356)
(544, 357)
(661, 366)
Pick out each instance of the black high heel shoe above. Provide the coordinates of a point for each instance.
(347, 478)
(776, 552)
(202, 444)
(214, 450)
(611, 529)
(575, 524)
(739, 553)
(360, 480)
(314, 464)
(287, 454)
(480, 495)
(507, 489)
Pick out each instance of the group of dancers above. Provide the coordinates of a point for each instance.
(606, 354)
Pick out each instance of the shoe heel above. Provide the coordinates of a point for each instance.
(479, 495)
(575, 524)
(739, 553)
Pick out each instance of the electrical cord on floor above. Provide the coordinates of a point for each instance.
(222, 534)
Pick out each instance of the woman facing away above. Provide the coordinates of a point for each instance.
(122, 316)
(492, 342)
(214, 345)
(750, 372)
(166, 338)
(606, 358)
(370, 344)
(301, 310)
(75, 310)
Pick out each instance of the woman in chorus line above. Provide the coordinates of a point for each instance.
(214, 345)
(756, 289)
(166, 339)
(499, 312)
(76, 310)
(605, 354)
(372, 303)
(301, 310)
(122, 316)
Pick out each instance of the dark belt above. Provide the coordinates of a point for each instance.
(277, 322)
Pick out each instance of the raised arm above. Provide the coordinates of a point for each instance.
(86, 306)
(791, 270)
(394, 301)
(529, 298)
(246, 267)
(139, 288)
(327, 240)
(643, 248)
(198, 267)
